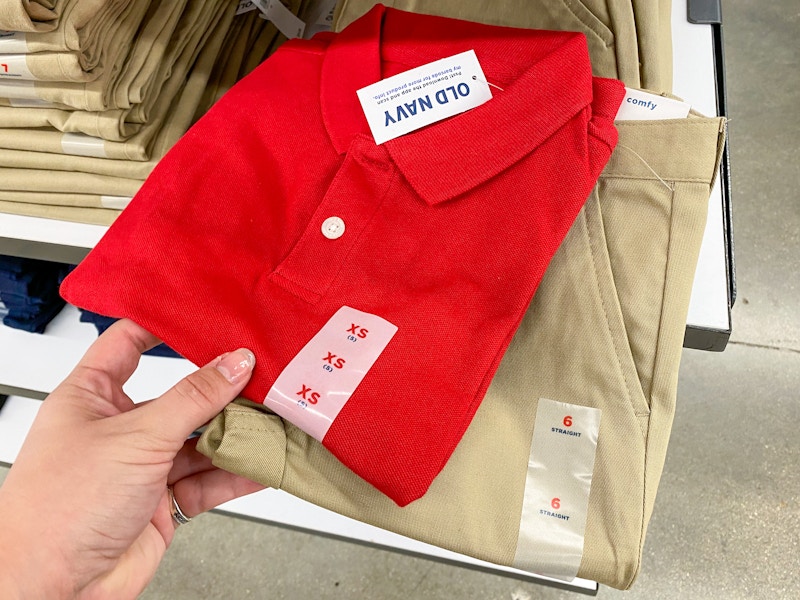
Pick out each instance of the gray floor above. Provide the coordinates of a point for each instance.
(727, 519)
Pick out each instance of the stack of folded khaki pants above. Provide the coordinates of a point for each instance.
(604, 332)
(103, 89)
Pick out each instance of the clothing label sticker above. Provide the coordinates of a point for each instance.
(14, 89)
(115, 202)
(557, 486)
(413, 99)
(315, 385)
(80, 144)
(30, 103)
(245, 6)
(13, 42)
(643, 106)
(280, 16)
(15, 66)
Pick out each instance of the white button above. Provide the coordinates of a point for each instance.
(333, 228)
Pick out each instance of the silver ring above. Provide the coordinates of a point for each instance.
(178, 515)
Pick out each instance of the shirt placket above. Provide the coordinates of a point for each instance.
(350, 203)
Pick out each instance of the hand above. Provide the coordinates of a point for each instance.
(84, 510)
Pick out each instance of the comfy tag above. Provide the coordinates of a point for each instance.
(15, 66)
(13, 42)
(416, 98)
(280, 16)
(557, 488)
(643, 106)
(319, 381)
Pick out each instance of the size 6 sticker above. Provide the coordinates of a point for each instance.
(317, 383)
(557, 488)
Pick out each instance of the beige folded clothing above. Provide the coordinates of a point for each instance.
(66, 200)
(33, 180)
(177, 117)
(29, 15)
(114, 124)
(95, 95)
(93, 216)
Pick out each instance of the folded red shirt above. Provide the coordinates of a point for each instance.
(277, 209)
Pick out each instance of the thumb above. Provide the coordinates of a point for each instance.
(198, 398)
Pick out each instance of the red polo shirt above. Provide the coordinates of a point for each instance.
(447, 230)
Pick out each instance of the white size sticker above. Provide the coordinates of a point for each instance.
(115, 202)
(15, 66)
(317, 383)
(14, 89)
(280, 16)
(30, 103)
(644, 106)
(557, 488)
(406, 102)
(13, 42)
(80, 144)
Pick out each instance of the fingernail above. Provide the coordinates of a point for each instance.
(235, 365)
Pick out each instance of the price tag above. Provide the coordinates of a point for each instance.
(557, 486)
(284, 19)
(317, 383)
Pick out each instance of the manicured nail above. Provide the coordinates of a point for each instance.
(235, 365)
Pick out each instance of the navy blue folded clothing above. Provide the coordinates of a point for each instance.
(101, 323)
(29, 292)
(33, 323)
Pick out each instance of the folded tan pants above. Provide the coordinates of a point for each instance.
(605, 330)
(196, 21)
(67, 66)
(172, 118)
(81, 27)
(628, 40)
(29, 16)
(92, 216)
(96, 94)
(49, 146)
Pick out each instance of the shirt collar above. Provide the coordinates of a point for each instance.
(546, 79)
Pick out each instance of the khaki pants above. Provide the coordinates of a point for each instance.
(196, 22)
(29, 16)
(65, 83)
(604, 330)
(93, 216)
(628, 40)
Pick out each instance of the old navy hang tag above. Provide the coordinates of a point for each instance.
(413, 99)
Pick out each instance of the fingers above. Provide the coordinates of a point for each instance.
(196, 399)
(201, 492)
(116, 352)
(188, 462)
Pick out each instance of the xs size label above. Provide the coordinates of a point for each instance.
(557, 488)
(318, 382)
(413, 99)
